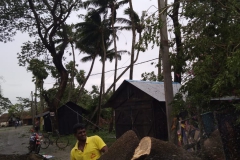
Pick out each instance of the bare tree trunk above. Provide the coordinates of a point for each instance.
(140, 36)
(85, 81)
(41, 97)
(102, 82)
(133, 39)
(32, 110)
(166, 68)
(178, 40)
(115, 70)
(35, 98)
(72, 75)
(200, 126)
(159, 64)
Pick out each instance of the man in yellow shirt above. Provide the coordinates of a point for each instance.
(87, 148)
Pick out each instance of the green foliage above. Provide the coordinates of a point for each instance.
(5, 104)
(38, 69)
(178, 104)
(17, 109)
(80, 77)
(212, 51)
(11, 18)
(148, 76)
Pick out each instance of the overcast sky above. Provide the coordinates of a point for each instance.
(17, 82)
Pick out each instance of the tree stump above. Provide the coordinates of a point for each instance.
(154, 149)
(123, 148)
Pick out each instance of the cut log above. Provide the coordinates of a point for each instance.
(123, 148)
(155, 149)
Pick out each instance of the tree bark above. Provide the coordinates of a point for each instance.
(35, 97)
(102, 82)
(72, 75)
(115, 69)
(166, 68)
(133, 40)
(85, 81)
(47, 34)
(123, 148)
(178, 40)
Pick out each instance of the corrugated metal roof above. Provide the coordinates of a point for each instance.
(154, 89)
(227, 98)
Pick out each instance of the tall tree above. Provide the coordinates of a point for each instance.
(72, 36)
(139, 26)
(212, 48)
(179, 58)
(98, 28)
(45, 19)
(103, 7)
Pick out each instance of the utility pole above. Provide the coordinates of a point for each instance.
(35, 99)
(32, 108)
(166, 66)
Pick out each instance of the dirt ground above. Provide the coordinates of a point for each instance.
(14, 142)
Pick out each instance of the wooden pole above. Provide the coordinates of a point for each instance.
(166, 66)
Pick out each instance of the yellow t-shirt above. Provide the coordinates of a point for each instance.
(91, 150)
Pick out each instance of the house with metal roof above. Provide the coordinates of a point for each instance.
(4, 120)
(140, 106)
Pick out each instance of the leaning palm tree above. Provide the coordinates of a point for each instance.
(96, 28)
(93, 48)
(92, 51)
(103, 7)
(139, 26)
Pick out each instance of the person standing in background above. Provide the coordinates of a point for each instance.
(37, 125)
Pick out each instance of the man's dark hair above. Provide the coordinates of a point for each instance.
(78, 126)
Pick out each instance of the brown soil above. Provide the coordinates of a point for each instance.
(14, 146)
(22, 157)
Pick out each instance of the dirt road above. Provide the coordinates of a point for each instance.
(15, 141)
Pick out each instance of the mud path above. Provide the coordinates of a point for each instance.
(15, 141)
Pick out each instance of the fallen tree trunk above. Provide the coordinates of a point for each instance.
(155, 149)
(123, 148)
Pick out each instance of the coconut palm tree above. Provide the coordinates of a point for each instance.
(96, 28)
(103, 7)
